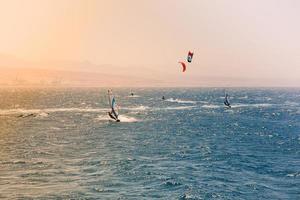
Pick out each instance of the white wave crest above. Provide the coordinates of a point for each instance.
(291, 103)
(127, 119)
(46, 111)
(122, 118)
(211, 106)
(214, 106)
(180, 101)
(244, 97)
(251, 105)
(102, 118)
(175, 108)
(134, 96)
(138, 108)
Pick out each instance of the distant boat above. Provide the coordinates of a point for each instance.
(113, 114)
(226, 101)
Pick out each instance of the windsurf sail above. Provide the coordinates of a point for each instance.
(226, 101)
(190, 56)
(114, 108)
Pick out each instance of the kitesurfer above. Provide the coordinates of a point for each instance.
(163, 98)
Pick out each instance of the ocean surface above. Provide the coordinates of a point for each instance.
(60, 144)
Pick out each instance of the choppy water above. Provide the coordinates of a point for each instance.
(187, 147)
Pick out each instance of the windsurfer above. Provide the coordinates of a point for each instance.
(112, 102)
(226, 101)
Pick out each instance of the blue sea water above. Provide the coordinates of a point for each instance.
(60, 144)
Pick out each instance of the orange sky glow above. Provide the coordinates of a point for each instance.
(139, 42)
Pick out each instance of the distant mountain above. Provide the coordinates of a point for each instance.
(18, 72)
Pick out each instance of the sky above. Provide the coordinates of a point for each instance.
(235, 42)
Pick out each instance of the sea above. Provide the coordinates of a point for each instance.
(59, 143)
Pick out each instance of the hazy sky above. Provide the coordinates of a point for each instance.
(230, 38)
